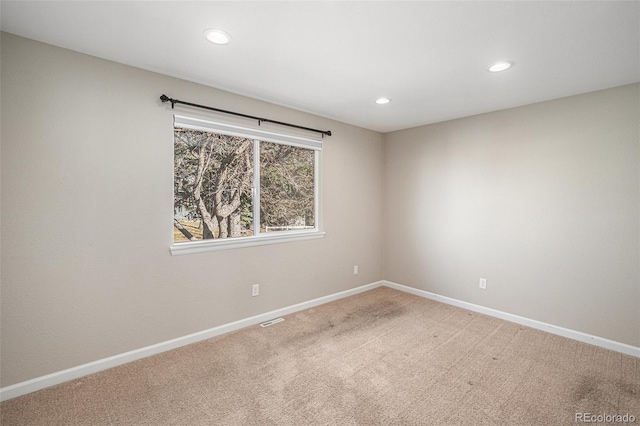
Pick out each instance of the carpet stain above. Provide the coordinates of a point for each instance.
(629, 389)
(385, 309)
(393, 313)
(334, 327)
(587, 389)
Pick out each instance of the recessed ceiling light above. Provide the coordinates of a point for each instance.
(217, 36)
(382, 101)
(501, 66)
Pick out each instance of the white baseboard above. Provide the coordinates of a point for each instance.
(538, 325)
(52, 379)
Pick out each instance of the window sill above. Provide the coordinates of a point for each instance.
(213, 245)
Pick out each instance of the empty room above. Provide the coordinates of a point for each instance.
(319, 213)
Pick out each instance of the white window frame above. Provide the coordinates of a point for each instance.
(258, 239)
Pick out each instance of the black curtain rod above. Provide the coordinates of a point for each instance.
(165, 98)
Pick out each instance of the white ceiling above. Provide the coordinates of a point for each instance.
(335, 58)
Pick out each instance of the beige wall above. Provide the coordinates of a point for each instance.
(87, 199)
(541, 200)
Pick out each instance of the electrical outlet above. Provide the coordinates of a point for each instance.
(255, 290)
(355, 270)
(483, 283)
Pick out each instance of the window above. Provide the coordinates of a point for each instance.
(237, 187)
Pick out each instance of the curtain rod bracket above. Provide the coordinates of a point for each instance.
(165, 98)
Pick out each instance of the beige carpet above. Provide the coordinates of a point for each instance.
(378, 358)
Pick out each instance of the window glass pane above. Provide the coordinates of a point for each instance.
(286, 187)
(213, 175)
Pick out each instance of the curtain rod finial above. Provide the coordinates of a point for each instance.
(164, 98)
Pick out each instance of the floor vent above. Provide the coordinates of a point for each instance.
(273, 321)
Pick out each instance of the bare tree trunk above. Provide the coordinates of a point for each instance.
(234, 224)
(184, 230)
(207, 232)
(228, 215)
(223, 226)
(234, 216)
(203, 163)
